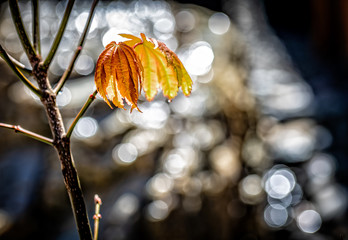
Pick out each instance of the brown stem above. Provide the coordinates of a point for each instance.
(62, 145)
(73, 187)
(48, 98)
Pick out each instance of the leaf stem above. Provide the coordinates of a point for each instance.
(28, 133)
(97, 216)
(77, 51)
(7, 59)
(81, 113)
(36, 26)
(59, 35)
(17, 19)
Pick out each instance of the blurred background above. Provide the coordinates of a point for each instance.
(258, 151)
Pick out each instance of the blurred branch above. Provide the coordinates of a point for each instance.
(81, 113)
(78, 49)
(36, 26)
(59, 35)
(27, 83)
(28, 133)
(17, 19)
(97, 216)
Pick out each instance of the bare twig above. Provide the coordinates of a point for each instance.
(78, 49)
(17, 19)
(19, 129)
(80, 114)
(59, 35)
(7, 59)
(97, 216)
(20, 65)
(36, 26)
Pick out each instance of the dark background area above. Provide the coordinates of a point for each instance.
(315, 36)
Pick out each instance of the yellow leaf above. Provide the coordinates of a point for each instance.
(162, 67)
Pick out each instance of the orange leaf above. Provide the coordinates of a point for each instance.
(118, 75)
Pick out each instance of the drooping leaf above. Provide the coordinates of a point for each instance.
(118, 75)
(124, 68)
(183, 77)
(162, 67)
(100, 74)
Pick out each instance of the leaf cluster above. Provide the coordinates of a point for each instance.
(124, 69)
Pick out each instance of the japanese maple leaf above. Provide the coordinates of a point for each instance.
(118, 75)
(124, 68)
(162, 67)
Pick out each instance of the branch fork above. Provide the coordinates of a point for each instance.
(60, 140)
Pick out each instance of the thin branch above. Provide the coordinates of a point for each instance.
(17, 19)
(77, 51)
(36, 26)
(80, 114)
(97, 216)
(20, 65)
(7, 59)
(59, 35)
(19, 129)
